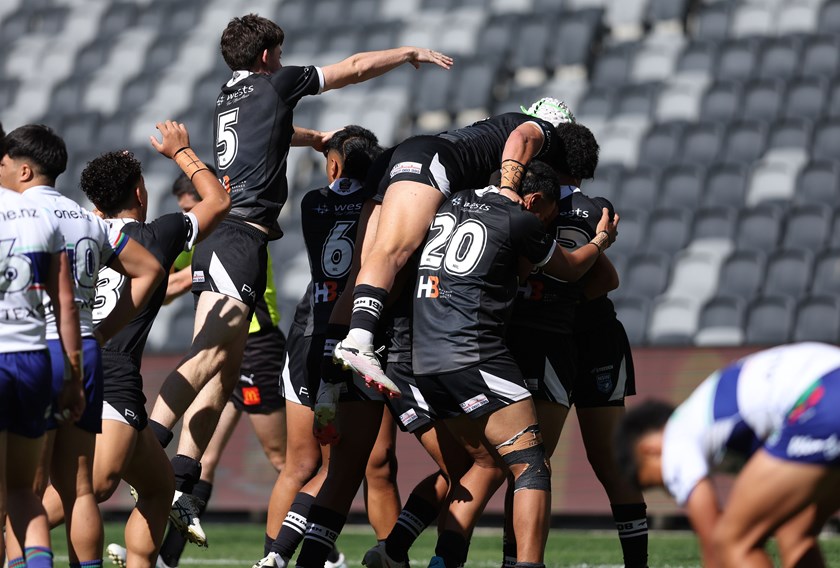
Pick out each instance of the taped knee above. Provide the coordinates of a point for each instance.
(527, 448)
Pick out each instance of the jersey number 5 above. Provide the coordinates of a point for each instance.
(227, 142)
(457, 248)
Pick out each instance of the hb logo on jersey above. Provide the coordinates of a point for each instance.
(326, 291)
(532, 290)
(427, 287)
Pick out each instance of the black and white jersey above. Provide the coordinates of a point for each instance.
(467, 278)
(253, 131)
(329, 219)
(480, 145)
(545, 303)
(165, 238)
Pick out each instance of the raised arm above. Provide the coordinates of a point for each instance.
(363, 66)
(215, 202)
(522, 145)
(144, 273)
(316, 139)
(570, 266)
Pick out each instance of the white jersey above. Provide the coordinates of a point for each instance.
(88, 247)
(735, 410)
(28, 238)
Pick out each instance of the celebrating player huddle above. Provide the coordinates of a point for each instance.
(459, 291)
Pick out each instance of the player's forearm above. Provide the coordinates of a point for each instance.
(361, 67)
(179, 284)
(522, 145)
(62, 294)
(306, 137)
(601, 279)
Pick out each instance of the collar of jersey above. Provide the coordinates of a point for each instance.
(120, 221)
(345, 186)
(567, 190)
(238, 76)
(42, 190)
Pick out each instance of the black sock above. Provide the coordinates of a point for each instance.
(162, 433)
(508, 549)
(530, 565)
(452, 547)
(173, 545)
(293, 527)
(413, 520)
(368, 302)
(631, 522)
(334, 555)
(322, 530)
(269, 540)
(187, 473)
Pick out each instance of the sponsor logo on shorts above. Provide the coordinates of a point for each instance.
(604, 382)
(130, 415)
(303, 391)
(406, 168)
(801, 446)
(408, 417)
(198, 277)
(247, 378)
(248, 291)
(251, 396)
(474, 403)
(532, 385)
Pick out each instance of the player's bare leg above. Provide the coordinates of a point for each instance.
(767, 493)
(228, 420)
(271, 432)
(40, 483)
(26, 516)
(597, 427)
(72, 477)
(3, 507)
(403, 222)
(382, 497)
(150, 473)
(219, 334)
(797, 539)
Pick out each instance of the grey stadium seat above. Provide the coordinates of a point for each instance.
(701, 143)
(820, 56)
(574, 38)
(819, 182)
(712, 21)
(762, 99)
(726, 185)
(645, 274)
(633, 231)
(744, 141)
(750, 20)
(806, 98)
(81, 131)
(636, 100)
(826, 140)
(8, 91)
(759, 228)
(598, 101)
(770, 320)
(714, 223)
(789, 273)
(673, 321)
(826, 273)
(474, 85)
(780, 58)
(633, 314)
(613, 65)
(817, 319)
(605, 183)
(721, 101)
(721, 322)
(681, 186)
(668, 230)
(294, 15)
(832, 108)
(661, 143)
(535, 35)
(737, 59)
(829, 21)
(790, 133)
(742, 274)
(834, 239)
(118, 17)
(698, 57)
(638, 189)
(666, 10)
(807, 227)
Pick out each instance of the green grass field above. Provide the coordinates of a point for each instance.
(241, 545)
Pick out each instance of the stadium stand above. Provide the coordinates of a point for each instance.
(719, 122)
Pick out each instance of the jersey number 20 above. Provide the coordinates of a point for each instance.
(457, 248)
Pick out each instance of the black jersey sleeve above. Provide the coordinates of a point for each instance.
(294, 83)
(170, 234)
(529, 238)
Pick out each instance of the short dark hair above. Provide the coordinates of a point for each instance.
(579, 151)
(110, 179)
(358, 147)
(2, 132)
(648, 416)
(245, 38)
(541, 178)
(183, 185)
(40, 145)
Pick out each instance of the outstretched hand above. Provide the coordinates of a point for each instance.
(424, 55)
(607, 225)
(175, 137)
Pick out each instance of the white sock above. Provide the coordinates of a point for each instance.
(362, 337)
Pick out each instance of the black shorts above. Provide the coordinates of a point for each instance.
(410, 411)
(232, 261)
(123, 392)
(260, 386)
(548, 362)
(429, 160)
(298, 368)
(476, 390)
(605, 372)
